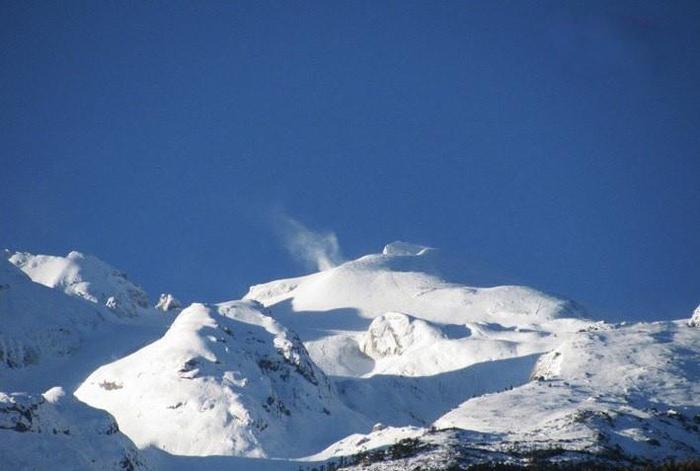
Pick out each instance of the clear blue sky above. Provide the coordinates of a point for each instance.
(556, 143)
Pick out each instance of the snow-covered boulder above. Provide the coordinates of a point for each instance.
(548, 366)
(393, 333)
(695, 319)
(85, 277)
(168, 303)
(54, 431)
(225, 379)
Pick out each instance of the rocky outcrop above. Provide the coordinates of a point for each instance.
(695, 319)
(168, 303)
(53, 431)
(393, 333)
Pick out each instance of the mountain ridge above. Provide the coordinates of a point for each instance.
(386, 339)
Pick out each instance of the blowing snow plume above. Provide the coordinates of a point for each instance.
(315, 249)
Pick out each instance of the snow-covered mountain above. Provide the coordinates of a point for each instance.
(333, 312)
(37, 322)
(225, 379)
(86, 277)
(388, 361)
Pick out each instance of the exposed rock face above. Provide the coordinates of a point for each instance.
(53, 431)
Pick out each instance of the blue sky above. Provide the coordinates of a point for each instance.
(555, 144)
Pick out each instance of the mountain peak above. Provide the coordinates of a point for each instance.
(86, 277)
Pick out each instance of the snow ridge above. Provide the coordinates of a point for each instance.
(86, 277)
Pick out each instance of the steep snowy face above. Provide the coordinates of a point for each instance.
(37, 322)
(85, 277)
(225, 379)
(54, 431)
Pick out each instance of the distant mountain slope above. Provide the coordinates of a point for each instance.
(225, 379)
(56, 329)
(86, 277)
(37, 322)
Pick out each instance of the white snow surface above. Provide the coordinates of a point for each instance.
(332, 311)
(628, 391)
(55, 431)
(38, 323)
(301, 369)
(86, 277)
(225, 379)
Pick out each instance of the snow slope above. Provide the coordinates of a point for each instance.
(333, 311)
(37, 322)
(86, 277)
(54, 431)
(633, 386)
(611, 394)
(225, 379)
(404, 344)
(54, 330)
